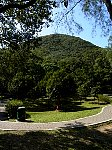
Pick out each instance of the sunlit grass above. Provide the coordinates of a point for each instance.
(86, 109)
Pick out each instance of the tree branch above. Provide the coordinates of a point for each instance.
(73, 7)
(19, 6)
(70, 10)
(109, 7)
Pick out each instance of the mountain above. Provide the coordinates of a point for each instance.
(56, 47)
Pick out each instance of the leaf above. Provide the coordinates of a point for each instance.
(66, 3)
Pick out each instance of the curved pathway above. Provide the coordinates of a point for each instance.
(103, 116)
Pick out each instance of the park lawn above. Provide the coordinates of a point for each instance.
(83, 110)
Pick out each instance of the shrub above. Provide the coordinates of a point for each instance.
(12, 106)
(104, 98)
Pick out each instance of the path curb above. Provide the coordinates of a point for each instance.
(99, 118)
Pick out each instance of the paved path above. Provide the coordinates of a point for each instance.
(103, 116)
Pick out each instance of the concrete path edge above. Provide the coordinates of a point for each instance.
(51, 125)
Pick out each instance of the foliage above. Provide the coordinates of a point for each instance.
(99, 12)
(61, 66)
(83, 90)
(60, 85)
(15, 28)
(22, 20)
(12, 106)
(96, 90)
(18, 75)
(104, 98)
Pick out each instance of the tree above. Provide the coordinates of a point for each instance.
(60, 85)
(84, 90)
(20, 70)
(102, 73)
(100, 11)
(21, 5)
(21, 20)
(26, 81)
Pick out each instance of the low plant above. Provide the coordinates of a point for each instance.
(12, 106)
(104, 99)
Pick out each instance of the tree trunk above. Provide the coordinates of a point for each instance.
(58, 105)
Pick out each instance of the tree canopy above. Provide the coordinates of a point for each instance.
(63, 67)
(21, 20)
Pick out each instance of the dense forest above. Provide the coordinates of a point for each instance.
(60, 66)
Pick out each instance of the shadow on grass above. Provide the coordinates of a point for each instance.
(66, 106)
(69, 139)
(37, 106)
(75, 106)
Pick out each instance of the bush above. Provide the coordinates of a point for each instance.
(104, 98)
(12, 106)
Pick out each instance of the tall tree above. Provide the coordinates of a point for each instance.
(102, 73)
(21, 20)
(60, 85)
(20, 71)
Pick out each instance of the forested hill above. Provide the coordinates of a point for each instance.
(64, 41)
(59, 46)
(66, 64)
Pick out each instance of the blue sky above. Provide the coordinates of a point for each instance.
(95, 37)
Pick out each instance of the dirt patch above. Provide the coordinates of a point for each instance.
(106, 128)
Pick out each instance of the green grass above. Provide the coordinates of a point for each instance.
(86, 138)
(83, 110)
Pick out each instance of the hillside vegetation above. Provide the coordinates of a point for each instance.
(61, 67)
(59, 46)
